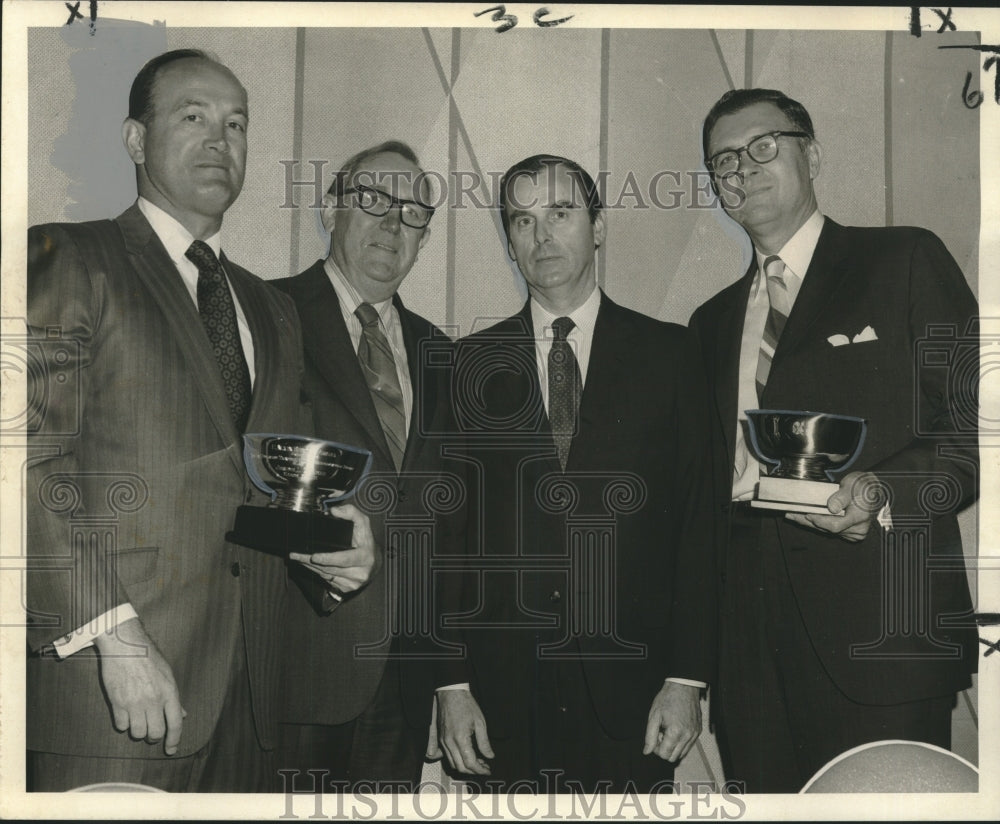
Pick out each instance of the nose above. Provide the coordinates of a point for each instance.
(217, 137)
(542, 231)
(391, 219)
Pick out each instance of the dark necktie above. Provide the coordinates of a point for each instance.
(564, 388)
(379, 367)
(779, 300)
(218, 313)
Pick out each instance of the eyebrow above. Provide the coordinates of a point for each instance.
(202, 104)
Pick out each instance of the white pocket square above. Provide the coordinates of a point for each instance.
(838, 340)
(865, 334)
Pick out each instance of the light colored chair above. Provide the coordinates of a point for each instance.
(895, 767)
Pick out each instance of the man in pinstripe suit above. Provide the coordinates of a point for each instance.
(157, 353)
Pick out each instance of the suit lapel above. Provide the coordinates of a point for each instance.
(607, 372)
(823, 280)
(259, 314)
(424, 391)
(728, 326)
(329, 346)
(156, 270)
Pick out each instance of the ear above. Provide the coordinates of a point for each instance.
(328, 212)
(600, 229)
(134, 138)
(814, 153)
(424, 237)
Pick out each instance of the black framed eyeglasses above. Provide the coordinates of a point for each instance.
(377, 203)
(762, 149)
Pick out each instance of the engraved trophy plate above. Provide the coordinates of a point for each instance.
(302, 476)
(803, 450)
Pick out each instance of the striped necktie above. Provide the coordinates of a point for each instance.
(218, 313)
(379, 367)
(780, 299)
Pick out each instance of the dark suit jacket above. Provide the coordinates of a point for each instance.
(610, 561)
(333, 664)
(135, 473)
(903, 283)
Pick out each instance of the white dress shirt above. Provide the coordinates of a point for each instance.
(796, 254)
(388, 320)
(176, 240)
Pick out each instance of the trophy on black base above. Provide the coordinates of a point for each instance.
(804, 450)
(303, 476)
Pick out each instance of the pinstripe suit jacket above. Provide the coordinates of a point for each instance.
(134, 473)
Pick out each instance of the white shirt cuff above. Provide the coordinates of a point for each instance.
(687, 682)
(453, 687)
(83, 637)
(884, 517)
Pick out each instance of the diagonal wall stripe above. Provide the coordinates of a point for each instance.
(722, 59)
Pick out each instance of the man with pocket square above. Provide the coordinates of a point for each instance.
(853, 626)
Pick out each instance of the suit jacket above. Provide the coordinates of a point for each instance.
(916, 386)
(610, 562)
(134, 474)
(333, 664)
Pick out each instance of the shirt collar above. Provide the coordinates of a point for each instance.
(174, 237)
(797, 253)
(584, 317)
(349, 297)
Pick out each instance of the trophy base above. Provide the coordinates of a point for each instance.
(280, 531)
(792, 495)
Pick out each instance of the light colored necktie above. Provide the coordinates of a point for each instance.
(379, 367)
(218, 313)
(564, 388)
(779, 298)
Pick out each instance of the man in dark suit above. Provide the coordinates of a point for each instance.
(358, 686)
(589, 615)
(156, 353)
(853, 626)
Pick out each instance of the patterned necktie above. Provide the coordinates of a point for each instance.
(564, 388)
(218, 313)
(379, 367)
(779, 298)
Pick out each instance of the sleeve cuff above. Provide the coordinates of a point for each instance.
(884, 517)
(687, 682)
(83, 637)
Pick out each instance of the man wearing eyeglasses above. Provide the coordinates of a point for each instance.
(820, 650)
(357, 696)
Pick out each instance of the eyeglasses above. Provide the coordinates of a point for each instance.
(762, 149)
(378, 203)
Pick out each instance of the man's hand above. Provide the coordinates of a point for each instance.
(674, 722)
(859, 499)
(461, 732)
(348, 569)
(140, 686)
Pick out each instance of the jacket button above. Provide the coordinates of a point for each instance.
(235, 569)
(722, 577)
(555, 595)
(401, 496)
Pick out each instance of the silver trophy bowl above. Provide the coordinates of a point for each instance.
(805, 446)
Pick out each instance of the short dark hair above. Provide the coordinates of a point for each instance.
(531, 166)
(140, 97)
(342, 180)
(736, 99)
